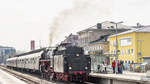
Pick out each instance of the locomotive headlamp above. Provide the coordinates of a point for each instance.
(86, 67)
(77, 55)
(70, 67)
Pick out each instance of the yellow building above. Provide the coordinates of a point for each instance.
(133, 45)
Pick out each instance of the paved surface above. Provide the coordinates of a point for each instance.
(134, 73)
(6, 78)
(126, 76)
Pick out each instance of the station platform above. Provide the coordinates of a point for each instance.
(6, 78)
(125, 77)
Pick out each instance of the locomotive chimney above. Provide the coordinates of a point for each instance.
(32, 44)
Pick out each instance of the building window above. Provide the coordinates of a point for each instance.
(131, 51)
(125, 41)
(125, 52)
(111, 52)
(128, 51)
(112, 27)
(119, 53)
(132, 62)
(122, 52)
(129, 62)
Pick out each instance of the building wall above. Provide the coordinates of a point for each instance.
(99, 46)
(109, 25)
(73, 39)
(124, 50)
(6, 52)
(142, 45)
(94, 34)
(97, 53)
(86, 37)
(131, 51)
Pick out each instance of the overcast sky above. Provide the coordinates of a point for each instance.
(25, 20)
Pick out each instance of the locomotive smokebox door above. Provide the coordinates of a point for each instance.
(59, 63)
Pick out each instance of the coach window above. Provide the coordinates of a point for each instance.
(28, 60)
(34, 59)
(31, 60)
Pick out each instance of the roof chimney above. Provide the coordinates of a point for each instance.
(99, 26)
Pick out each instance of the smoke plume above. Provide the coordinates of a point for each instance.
(83, 14)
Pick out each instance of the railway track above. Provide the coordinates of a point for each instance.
(25, 77)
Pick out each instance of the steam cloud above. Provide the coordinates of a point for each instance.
(83, 14)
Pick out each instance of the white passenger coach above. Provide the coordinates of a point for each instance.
(29, 61)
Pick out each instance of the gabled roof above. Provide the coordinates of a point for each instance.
(93, 30)
(142, 29)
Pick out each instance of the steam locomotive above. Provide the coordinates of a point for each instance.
(65, 62)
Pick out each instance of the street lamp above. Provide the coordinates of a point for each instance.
(87, 45)
(116, 43)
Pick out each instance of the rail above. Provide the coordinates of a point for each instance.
(24, 77)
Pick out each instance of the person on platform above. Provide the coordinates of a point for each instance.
(125, 65)
(114, 65)
(98, 68)
(119, 66)
(131, 67)
(103, 68)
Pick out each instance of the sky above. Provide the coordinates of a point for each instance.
(24, 20)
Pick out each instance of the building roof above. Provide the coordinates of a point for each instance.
(93, 30)
(2, 47)
(142, 29)
(94, 27)
(88, 29)
(102, 38)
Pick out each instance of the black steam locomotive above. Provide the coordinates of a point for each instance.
(71, 63)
